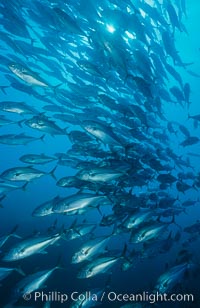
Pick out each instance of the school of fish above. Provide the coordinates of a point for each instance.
(97, 76)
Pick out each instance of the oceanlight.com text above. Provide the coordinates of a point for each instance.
(151, 298)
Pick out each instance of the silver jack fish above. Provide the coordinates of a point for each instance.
(30, 246)
(78, 202)
(99, 174)
(173, 276)
(24, 174)
(98, 266)
(90, 249)
(33, 282)
(27, 75)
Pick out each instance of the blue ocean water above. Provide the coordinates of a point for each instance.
(102, 68)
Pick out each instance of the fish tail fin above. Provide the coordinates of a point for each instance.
(20, 123)
(13, 234)
(42, 137)
(59, 264)
(63, 232)
(59, 155)
(74, 223)
(126, 148)
(20, 271)
(176, 133)
(52, 226)
(2, 197)
(170, 235)
(178, 198)
(128, 75)
(93, 230)
(14, 229)
(173, 221)
(125, 78)
(66, 130)
(194, 186)
(56, 87)
(114, 231)
(123, 254)
(177, 236)
(24, 186)
(98, 208)
(52, 172)
(185, 211)
(2, 88)
(159, 218)
(109, 198)
(33, 41)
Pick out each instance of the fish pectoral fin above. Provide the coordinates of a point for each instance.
(43, 252)
(27, 73)
(77, 231)
(57, 244)
(16, 236)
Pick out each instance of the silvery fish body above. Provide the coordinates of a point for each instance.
(90, 249)
(33, 282)
(98, 266)
(22, 174)
(27, 75)
(78, 202)
(29, 247)
(99, 175)
(173, 276)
